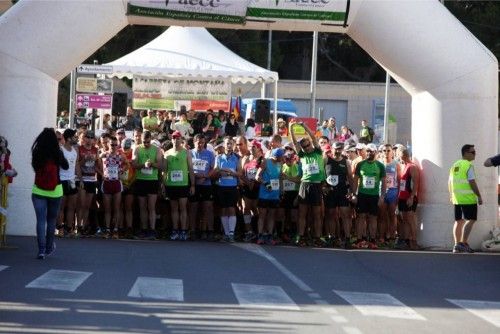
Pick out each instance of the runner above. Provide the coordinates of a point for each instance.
(338, 185)
(147, 160)
(250, 188)
(370, 186)
(269, 176)
(310, 192)
(203, 165)
(90, 165)
(179, 181)
(291, 175)
(114, 164)
(408, 198)
(227, 170)
(128, 179)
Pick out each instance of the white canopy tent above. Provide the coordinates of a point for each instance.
(192, 52)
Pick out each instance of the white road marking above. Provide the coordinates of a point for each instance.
(339, 319)
(486, 310)
(351, 330)
(158, 288)
(3, 267)
(263, 296)
(256, 249)
(379, 304)
(64, 280)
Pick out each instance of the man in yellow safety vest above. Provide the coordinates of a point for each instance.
(465, 197)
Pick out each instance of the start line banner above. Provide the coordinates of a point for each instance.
(170, 93)
(222, 11)
(238, 11)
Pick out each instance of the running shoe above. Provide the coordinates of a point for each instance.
(99, 233)
(320, 243)
(261, 240)
(299, 241)
(459, 248)
(231, 237)
(50, 252)
(249, 236)
(41, 256)
(106, 234)
(183, 236)
(372, 245)
(174, 235)
(115, 235)
(467, 248)
(151, 235)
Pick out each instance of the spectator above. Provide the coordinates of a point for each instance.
(62, 120)
(183, 126)
(210, 127)
(150, 122)
(366, 133)
(232, 128)
(47, 159)
(282, 127)
(130, 121)
(344, 134)
(250, 129)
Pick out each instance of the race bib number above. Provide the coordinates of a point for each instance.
(402, 185)
(275, 184)
(390, 180)
(332, 180)
(90, 163)
(288, 185)
(176, 176)
(199, 165)
(369, 182)
(147, 171)
(112, 172)
(312, 168)
(251, 173)
(124, 176)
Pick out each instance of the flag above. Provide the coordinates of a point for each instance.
(237, 107)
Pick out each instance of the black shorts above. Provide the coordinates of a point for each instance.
(128, 190)
(144, 188)
(250, 193)
(403, 207)
(67, 189)
(335, 198)
(175, 193)
(289, 199)
(310, 194)
(202, 194)
(226, 197)
(89, 186)
(466, 211)
(268, 203)
(367, 204)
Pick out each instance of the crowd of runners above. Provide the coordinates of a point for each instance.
(306, 191)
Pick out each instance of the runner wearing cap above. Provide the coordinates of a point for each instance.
(338, 192)
(179, 181)
(203, 165)
(291, 173)
(227, 171)
(387, 211)
(310, 192)
(249, 188)
(370, 186)
(147, 159)
(269, 176)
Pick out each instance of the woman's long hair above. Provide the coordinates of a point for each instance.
(45, 148)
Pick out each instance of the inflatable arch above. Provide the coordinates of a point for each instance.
(450, 75)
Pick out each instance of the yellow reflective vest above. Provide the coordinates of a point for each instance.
(461, 191)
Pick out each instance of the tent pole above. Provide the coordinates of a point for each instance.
(263, 90)
(275, 116)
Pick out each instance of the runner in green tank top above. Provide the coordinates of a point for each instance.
(179, 181)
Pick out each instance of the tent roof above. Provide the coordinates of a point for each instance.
(189, 51)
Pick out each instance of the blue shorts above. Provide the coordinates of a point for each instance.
(391, 196)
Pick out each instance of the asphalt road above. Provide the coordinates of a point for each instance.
(123, 286)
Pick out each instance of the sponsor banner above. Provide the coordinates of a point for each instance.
(161, 93)
(330, 11)
(210, 104)
(93, 101)
(93, 85)
(222, 11)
